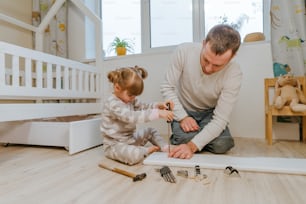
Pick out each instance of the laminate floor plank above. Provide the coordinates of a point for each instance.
(34, 174)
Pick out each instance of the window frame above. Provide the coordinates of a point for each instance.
(198, 24)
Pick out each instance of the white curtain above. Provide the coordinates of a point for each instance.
(55, 36)
(288, 36)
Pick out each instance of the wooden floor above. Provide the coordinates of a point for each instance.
(32, 174)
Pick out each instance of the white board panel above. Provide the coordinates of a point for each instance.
(257, 164)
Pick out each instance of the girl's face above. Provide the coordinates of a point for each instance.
(123, 94)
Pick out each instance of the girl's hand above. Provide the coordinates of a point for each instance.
(163, 105)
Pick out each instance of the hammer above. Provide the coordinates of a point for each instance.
(135, 177)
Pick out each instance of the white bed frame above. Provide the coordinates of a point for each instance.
(41, 92)
(49, 100)
(47, 85)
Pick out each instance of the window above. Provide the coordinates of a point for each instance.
(152, 24)
(245, 16)
(121, 19)
(170, 28)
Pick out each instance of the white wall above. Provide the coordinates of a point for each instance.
(81, 32)
(248, 116)
(21, 10)
(76, 33)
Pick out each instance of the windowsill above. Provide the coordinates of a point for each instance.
(155, 51)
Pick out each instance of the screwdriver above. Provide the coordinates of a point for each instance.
(168, 108)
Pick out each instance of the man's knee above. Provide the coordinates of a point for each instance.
(181, 139)
(179, 136)
(221, 145)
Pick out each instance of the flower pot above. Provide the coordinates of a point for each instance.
(121, 51)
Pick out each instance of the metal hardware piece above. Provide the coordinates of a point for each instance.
(197, 173)
(182, 173)
(167, 174)
(230, 171)
(198, 176)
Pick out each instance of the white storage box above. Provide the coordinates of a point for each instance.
(75, 136)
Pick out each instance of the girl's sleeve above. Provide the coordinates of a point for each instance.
(130, 114)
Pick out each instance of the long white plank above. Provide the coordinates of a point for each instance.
(256, 164)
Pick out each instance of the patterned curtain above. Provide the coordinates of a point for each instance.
(55, 36)
(288, 36)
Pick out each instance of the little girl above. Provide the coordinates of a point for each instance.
(122, 111)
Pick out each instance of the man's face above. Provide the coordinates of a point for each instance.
(210, 62)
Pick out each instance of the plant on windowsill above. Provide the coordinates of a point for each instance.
(121, 46)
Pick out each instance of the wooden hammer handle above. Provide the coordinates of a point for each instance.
(123, 172)
(119, 171)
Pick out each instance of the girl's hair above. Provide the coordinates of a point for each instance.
(222, 38)
(129, 78)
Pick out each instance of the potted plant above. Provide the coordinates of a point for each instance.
(121, 46)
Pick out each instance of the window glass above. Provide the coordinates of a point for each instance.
(121, 19)
(245, 16)
(171, 22)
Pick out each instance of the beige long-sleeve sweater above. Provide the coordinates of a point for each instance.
(190, 89)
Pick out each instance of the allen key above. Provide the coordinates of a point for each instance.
(167, 174)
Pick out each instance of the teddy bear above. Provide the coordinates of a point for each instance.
(288, 92)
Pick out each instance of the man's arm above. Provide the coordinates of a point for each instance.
(222, 112)
(168, 87)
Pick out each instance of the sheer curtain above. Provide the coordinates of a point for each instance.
(288, 36)
(55, 36)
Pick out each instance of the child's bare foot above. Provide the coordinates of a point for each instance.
(153, 149)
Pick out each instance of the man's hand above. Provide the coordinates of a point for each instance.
(188, 124)
(183, 151)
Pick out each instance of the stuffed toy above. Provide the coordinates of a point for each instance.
(288, 92)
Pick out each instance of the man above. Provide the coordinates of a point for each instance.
(203, 82)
